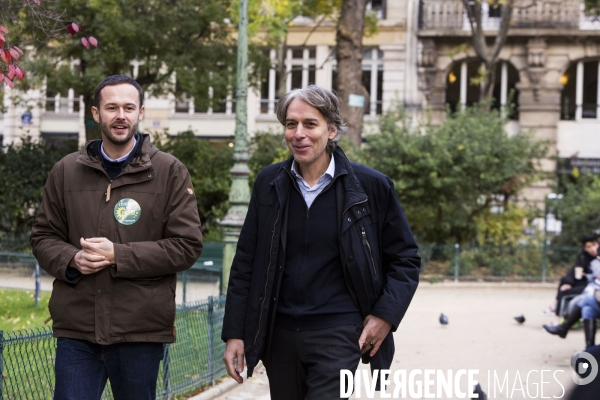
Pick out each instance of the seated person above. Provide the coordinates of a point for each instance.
(580, 274)
(583, 306)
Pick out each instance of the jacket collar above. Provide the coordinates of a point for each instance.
(90, 155)
(353, 191)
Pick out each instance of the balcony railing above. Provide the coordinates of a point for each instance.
(531, 14)
(64, 105)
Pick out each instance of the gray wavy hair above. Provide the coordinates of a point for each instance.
(324, 100)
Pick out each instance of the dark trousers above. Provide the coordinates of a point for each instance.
(82, 369)
(306, 364)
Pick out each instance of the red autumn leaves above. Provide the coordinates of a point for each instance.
(73, 28)
(9, 57)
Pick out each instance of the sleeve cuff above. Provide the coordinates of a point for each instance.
(70, 276)
(72, 273)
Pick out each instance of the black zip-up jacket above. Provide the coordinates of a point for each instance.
(377, 250)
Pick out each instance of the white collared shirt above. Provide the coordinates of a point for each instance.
(310, 193)
(120, 158)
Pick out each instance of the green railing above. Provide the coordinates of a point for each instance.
(530, 263)
(21, 271)
(194, 361)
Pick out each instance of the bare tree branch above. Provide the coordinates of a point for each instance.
(503, 31)
(478, 38)
(314, 28)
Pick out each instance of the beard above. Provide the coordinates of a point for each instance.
(106, 132)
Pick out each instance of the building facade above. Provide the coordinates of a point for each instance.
(550, 65)
(310, 59)
(421, 57)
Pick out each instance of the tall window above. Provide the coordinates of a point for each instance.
(490, 16)
(372, 80)
(461, 91)
(579, 98)
(377, 6)
(300, 71)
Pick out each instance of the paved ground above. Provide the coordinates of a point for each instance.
(481, 334)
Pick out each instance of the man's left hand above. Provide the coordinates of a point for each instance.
(375, 330)
(101, 246)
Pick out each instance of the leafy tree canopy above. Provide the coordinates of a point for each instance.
(209, 164)
(266, 147)
(578, 209)
(24, 169)
(449, 177)
(183, 47)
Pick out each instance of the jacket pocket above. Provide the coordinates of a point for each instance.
(142, 306)
(72, 306)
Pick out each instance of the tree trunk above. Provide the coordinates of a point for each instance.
(489, 56)
(349, 37)
(487, 88)
(92, 129)
(281, 68)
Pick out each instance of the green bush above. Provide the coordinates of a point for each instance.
(209, 164)
(448, 175)
(24, 168)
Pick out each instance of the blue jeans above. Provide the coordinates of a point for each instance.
(590, 309)
(82, 369)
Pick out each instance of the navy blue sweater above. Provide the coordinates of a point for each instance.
(313, 293)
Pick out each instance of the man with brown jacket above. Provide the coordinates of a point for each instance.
(117, 221)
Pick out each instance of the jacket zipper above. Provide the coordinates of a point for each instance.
(262, 305)
(366, 243)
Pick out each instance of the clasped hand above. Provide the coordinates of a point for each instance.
(95, 255)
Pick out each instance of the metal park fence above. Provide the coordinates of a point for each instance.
(194, 361)
(492, 263)
(496, 263)
(21, 271)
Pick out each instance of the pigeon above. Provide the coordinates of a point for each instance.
(479, 392)
(443, 319)
(520, 319)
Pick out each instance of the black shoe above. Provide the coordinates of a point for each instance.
(562, 329)
(559, 330)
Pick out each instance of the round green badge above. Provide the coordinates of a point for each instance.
(127, 211)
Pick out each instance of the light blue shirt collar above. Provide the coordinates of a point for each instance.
(125, 156)
(311, 193)
(330, 171)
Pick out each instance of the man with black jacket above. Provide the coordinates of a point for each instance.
(326, 264)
